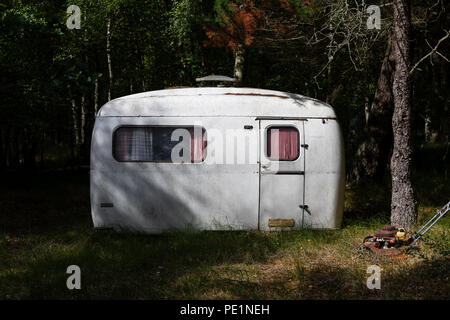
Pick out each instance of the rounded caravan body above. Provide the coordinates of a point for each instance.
(269, 160)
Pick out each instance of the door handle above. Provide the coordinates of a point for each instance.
(306, 208)
(264, 166)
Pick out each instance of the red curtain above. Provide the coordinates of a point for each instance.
(286, 144)
(122, 144)
(197, 144)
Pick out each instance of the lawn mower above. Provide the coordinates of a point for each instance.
(389, 239)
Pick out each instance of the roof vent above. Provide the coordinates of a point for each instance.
(216, 81)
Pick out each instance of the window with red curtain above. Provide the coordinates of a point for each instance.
(154, 144)
(282, 143)
(198, 144)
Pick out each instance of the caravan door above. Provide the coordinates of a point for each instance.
(282, 179)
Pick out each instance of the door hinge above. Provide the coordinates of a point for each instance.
(304, 146)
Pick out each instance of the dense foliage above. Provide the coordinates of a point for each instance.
(54, 79)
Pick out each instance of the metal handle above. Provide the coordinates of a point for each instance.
(440, 213)
(306, 208)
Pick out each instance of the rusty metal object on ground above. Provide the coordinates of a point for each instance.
(377, 249)
(385, 233)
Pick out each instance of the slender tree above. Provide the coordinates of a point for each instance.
(108, 55)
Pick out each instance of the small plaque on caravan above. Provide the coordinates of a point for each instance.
(281, 223)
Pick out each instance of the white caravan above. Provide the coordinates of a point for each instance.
(218, 159)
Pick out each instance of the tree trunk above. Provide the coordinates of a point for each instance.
(95, 97)
(427, 127)
(7, 151)
(76, 132)
(334, 94)
(239, 62)
(14, 147)
(42, 139)
(83, 119)
(366, 109)
(2, 153)
(403, 204)
(445, 123)
(372, 155)
(29, 148)
(108, 55)
(445, 118)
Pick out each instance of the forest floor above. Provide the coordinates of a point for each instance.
(45, 226)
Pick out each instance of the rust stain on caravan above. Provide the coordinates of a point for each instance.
(255, 94)
(177, 87)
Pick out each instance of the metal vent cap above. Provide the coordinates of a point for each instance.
(212, 79)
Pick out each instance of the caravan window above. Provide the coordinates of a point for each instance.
(282, 143)
(154, 144)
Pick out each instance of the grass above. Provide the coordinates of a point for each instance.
(45, 226)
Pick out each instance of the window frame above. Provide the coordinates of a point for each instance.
(266, 141)
(114, 137)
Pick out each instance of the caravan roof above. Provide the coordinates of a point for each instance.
(216, 102)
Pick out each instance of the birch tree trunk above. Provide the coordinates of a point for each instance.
(403, 204)
(83, 119)
(108, 55)
(95, 97)
(239, 62)
(75, 124)
(427, 126)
